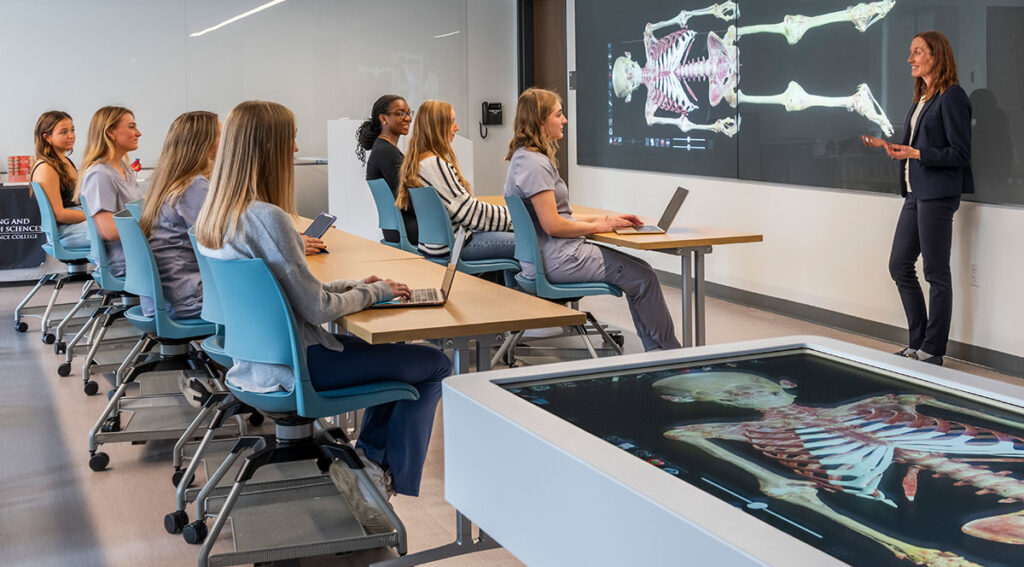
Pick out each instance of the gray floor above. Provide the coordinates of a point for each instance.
(55, 511)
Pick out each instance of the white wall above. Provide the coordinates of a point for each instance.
(826, 248)
(491, 77)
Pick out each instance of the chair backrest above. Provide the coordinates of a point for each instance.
(212, 311)
(527, 245)
(389, 217)
(432, 217)
(135, 207)
(98, 254)
(141, 276)
(270, 335)
(48, 222)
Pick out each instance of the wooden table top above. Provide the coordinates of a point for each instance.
(476, 306)
(677, 237)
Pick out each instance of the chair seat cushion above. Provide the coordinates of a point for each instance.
(140, 320)
(489, 265)
(213, 346)
(569, 290)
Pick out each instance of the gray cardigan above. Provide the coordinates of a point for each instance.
(267, 232)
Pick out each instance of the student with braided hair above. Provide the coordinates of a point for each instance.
(389, 120)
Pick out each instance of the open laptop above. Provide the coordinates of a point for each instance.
(666, 218)
(427, 297)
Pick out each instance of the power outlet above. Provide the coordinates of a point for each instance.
(973, 274)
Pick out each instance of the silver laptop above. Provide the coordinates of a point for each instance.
(666, 218)
(427, 297)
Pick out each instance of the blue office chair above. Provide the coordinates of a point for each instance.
(270, 335)
(135, 207)
(436, 228)
(389, 217)
(75, 259)
(111, 288)
(528, 250)
(174, 336)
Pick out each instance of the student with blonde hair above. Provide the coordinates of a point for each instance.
(57, 175)
(568, 257)
(176, 194)
(430, 162)
(248, 214)
(107, 181)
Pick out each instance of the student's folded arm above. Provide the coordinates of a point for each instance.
(555, 224)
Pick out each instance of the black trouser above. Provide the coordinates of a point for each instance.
(925, 228)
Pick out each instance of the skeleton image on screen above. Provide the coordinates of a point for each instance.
(670, 71)
(849, 448)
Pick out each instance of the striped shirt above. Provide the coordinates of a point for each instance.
(463, 209)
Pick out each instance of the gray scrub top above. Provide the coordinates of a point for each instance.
(175, 259)
(565, 259)
(105, 190)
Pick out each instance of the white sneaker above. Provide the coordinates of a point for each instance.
(358, 500)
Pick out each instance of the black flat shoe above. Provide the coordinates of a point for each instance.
(936, 360)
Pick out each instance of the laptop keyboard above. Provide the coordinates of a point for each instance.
(424, 295)
(648, 228)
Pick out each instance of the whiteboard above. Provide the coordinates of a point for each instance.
(323, 59)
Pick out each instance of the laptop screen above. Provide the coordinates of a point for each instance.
(453, 262)
(672, 209)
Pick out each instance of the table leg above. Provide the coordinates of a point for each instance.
(463, 544)
(685, 256)
(700, 330)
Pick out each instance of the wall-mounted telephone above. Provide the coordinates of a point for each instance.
(491, 116)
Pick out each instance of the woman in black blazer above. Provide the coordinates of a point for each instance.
(935, 170)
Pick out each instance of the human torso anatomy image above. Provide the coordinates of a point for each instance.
(850, 447)
(669, 71)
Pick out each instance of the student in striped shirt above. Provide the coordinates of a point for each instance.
(430, 162)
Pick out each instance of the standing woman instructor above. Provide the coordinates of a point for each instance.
(935, 171)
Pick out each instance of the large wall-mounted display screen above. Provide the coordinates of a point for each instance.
(780, 91)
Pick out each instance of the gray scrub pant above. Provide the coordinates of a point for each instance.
(639, 283)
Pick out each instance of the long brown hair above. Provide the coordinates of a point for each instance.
(188, 151)
(532, 111)
(99, 147)
(944, 72)
(254, 162)
(431, 134)
(46, 153)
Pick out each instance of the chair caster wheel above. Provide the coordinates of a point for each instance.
(20, 326)
(60, 347)
(112, 424)
(64, 369)
(49, 338)
(91, 388)
(99, 461)
(195, 532)
(176, 479)
(255, 418)
(619, 340)
(175, 521)
(324, 464)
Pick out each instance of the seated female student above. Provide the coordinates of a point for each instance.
(107, 181)
(431, 163)
(568, 257)
(389, 120)
(176, 194)
(248, 214)
(57, 175)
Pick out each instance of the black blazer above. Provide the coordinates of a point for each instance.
(943, 135)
